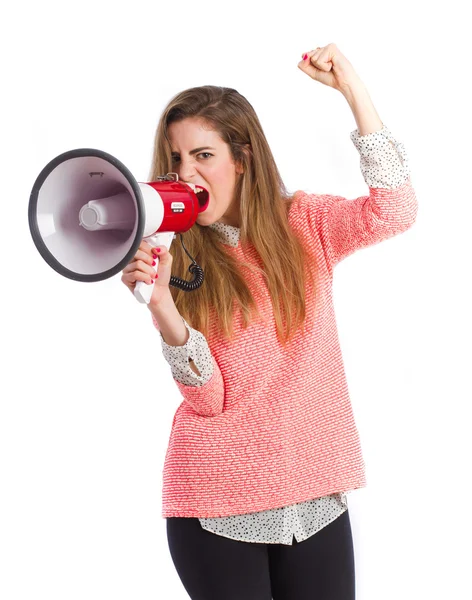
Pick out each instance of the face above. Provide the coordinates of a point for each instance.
(211, 167)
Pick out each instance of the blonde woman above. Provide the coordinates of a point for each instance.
(264, 446)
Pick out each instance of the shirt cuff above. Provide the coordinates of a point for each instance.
(384, 162)
(196, 348)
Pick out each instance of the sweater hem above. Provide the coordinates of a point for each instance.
(180, 511)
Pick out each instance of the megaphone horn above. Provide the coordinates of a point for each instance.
(87, 216)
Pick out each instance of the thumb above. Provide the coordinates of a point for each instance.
(165, 257)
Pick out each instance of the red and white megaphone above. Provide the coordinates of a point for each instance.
(88, 214)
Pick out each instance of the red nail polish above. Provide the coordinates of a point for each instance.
(304, 58)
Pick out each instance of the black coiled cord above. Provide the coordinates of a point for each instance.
(194, 269)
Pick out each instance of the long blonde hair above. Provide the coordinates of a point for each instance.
(264, 207)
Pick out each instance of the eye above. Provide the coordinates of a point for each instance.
(176, 158)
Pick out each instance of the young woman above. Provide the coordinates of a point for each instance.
(264, 446)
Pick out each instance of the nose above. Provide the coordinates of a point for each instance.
(186, 170)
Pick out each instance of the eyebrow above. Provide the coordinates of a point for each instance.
(197, 150)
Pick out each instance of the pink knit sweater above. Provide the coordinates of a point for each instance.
(273, 426)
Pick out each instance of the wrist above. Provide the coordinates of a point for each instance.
(165, 300)
(353, 89)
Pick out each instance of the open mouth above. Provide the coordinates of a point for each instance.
(202, 195)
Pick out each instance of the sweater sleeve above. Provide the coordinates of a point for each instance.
(345, 226)
(203, 392)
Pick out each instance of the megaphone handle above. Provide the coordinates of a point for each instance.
(143, 290)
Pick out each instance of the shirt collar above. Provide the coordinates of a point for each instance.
(229, 234)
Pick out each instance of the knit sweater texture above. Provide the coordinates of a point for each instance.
(269, 427)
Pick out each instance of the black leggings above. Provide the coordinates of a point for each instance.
(213, 567)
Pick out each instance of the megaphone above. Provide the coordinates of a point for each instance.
(88, 215)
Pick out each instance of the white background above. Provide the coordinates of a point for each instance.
(87, 397)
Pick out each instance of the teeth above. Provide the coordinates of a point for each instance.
(195, 188)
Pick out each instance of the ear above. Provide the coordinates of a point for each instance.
(246, 150)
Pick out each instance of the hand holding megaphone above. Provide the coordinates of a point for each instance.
(142, 269)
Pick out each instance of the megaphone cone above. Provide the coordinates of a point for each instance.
(88, 215)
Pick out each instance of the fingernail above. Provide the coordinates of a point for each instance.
(153, 262)
(304, 58)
